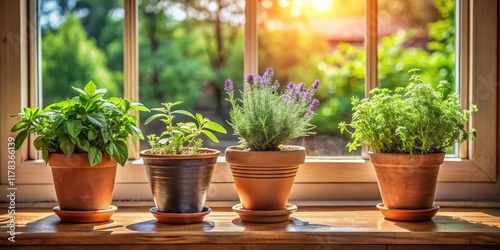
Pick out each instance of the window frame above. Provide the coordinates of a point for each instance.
(348, 178)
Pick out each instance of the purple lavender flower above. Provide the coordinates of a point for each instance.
(290, 86)
(307, 95)
(314, 105)
(316, 84)
(257, 79)
(250, 78)
(269, 73)
(229, 88)
(301, 87)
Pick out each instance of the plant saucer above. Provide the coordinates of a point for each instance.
(85, 216)
(408, 214)
(264, 216)
(180, 218)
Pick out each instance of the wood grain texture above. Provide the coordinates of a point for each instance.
(310, 227)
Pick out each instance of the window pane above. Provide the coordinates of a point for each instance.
(187, 49)
(307, 40)
(416, 34)
(82, 40)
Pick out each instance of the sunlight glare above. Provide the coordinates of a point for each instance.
(321, 5)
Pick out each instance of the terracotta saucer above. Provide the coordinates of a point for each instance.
(408, 214)
(84, 216)
(264, 216)
(180, 218)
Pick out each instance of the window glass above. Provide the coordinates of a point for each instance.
(317, 39)
(187, 49)
(81, 40)
(416, 34)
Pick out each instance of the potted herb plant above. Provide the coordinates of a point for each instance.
(179, 170)
(263, 166)
(82, 139)
(408, 131)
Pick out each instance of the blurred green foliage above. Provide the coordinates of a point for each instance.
(186, 60)
(69, 58)
(345, 73)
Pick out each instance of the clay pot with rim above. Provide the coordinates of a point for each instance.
(264, 179)
(81, 187)
(407, 184)
(180, 183)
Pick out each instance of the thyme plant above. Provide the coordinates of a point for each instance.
(417, 119)
(181, 137)
(264, 118)
(84, 124)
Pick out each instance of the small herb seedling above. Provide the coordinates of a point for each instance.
(181, 137)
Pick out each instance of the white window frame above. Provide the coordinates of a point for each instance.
(470, 177)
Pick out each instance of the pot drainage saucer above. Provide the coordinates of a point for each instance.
(264, 216)
(180, 218)
(85, 216)
(408, 214)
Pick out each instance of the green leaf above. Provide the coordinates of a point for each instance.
(210, 135)
(58, 120)
(184, 112)
(111, 149)
(199, 118)
(20, 138)
(159, 110)
(90, 88)
(97, 119)
(101, 91)
(79, 91)
(66, 145)
(95, 156)
(132, 129)
(20, 125)
(121, 153)
(31, 112)
(38, 143)
(215, 127)
(105, 136)
(74, 127)
(151, 118)
(92, 135)
(45, 155)
(84, 144)
(138, 106)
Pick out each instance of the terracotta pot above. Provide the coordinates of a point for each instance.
(407, 183)
(264, 179)
(180, 183)
(79, 186)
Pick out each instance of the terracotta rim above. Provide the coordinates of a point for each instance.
(237, 157)
(398, 159)
(57, 160)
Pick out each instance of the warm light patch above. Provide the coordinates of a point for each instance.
(321, 5)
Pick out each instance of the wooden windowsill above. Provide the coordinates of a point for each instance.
(350, 227)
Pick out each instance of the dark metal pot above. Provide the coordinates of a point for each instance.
(180, 182)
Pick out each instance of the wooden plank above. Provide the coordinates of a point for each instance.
(315, 226)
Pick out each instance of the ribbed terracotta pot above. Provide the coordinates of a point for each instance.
(81, 187)
(264, 179)
(407, 183)
(180, 183)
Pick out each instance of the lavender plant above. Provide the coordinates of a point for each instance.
(264, 119)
